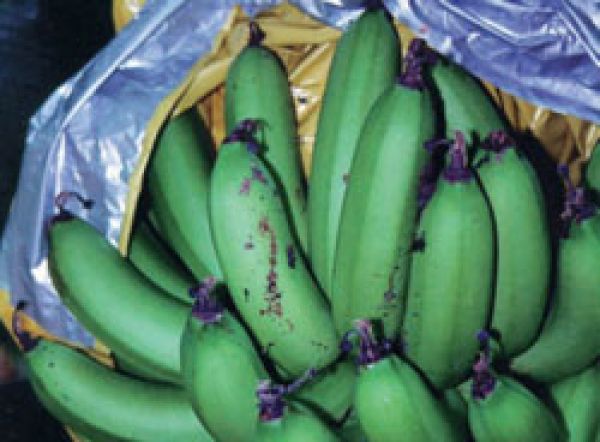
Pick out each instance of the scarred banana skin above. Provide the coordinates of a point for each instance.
(266, 275)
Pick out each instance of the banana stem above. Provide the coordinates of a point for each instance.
(458, 169)
(206, 308)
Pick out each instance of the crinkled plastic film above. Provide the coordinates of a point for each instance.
(194, 77)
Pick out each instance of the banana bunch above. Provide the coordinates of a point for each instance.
(410, 290)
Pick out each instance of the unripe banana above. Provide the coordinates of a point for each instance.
(450, 292)
(221, 371)
(102, 405)
(257, 88)
(592, 172)
(178, 182)
(113, 300)
(363, 67)
(570, 338)
(351, 430)
(393, 403)
(523, 255)
(503, 410)
(578, 398)
(280, 422)
(267, 277)
(154, 260)
(331, 392)
(374, 239)
(466, 106)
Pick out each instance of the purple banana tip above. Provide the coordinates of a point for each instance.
(270, 401)
(483, 382)
(206, 308)
(417, 56)
(245, 132)
(498, 141)
(458, 169)
(257, 35)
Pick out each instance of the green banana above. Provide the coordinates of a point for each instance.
(523, 255)
(267, 277)
(392, 401)
(154, 260)
(113, 300)
(363, 67)
(281, 422)
(374, 239)
(221, 370)
(178, 178)
(103, 405)
(257, 88)
(578, 398)
(501, 409)
(592, 172)
(450, 290)
(331, 392)
(351, 430)
(570, 338)
(466, 106)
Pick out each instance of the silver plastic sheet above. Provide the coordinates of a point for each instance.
(87, 136)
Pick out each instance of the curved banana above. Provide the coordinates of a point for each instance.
(178, 180)
(370, 276)
(113, 300)
(570, 338)
(523, 251)
(578, 399)
(257, 88)
(364, 65)
(155, 261)
(221, 370)
(450, 291)
(503, 410)
(102, 405)
(267, 277)
(393, 403)
(466, 106)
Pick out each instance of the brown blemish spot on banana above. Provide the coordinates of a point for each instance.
(245, 187)
(272, 295)
(346, 178)
(291, 256)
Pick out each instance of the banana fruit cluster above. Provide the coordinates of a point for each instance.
(413, 289)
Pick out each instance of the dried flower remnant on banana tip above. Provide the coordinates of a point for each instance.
(417, 56)
(206, 308)
(271, 401)
(577, 206)
(483, 380)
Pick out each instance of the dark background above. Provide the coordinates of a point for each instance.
(42, 44)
